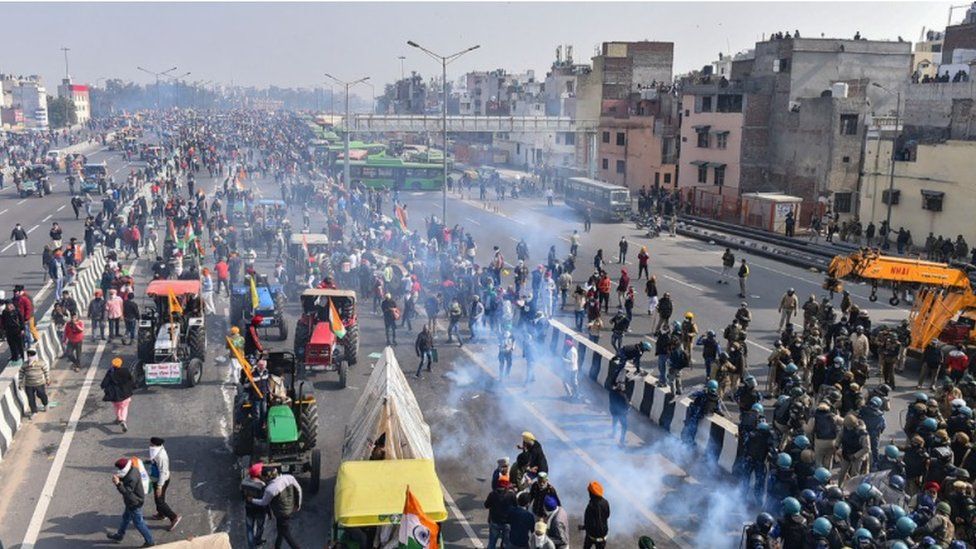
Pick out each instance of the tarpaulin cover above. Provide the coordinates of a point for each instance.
(387, 407)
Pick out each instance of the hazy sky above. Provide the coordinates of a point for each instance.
(293, 44)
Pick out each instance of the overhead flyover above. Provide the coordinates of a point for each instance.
(467, 123)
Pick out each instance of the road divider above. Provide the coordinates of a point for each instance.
(716, 436)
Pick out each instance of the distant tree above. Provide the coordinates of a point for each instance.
(61, 112)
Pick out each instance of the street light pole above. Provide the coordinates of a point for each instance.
(345, 167)
(158, 75)
(891, 167)
(66, 73)
(444, 59)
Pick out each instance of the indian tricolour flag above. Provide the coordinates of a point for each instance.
(335, 321)
(416, 530)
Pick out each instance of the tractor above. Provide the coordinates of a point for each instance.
(36, 181)
(317, 346)
(270, 305)
(306, 251)
(286, 439)
(172, 336)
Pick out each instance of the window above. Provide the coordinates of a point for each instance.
(569, 138)
(848, 124)
(720, 175)
(621, 166)
(781, 65)
(657, 178)
(606, 164)
(895, 197)
(729, 103)
(706, 104)
(932, 200)
(687, 112)
(846, 160)
(621, 139)
(606, 137)
(703, 173)
(722, 140)
(667, 178)
(842, 202)
(703, 139)
(518, 148)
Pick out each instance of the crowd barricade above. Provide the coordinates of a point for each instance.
(716, 436)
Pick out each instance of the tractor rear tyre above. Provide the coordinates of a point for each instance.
(315, 468)
(197, 343)
(147, 345)
(194, 372)
(301, 338)
(352, 345)
(308, 424)
(139, 374)
(243, 438)
(343, 374)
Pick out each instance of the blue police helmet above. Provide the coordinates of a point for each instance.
(784, 461)
(876, 402)
(711, 386)
(921, 397)
(864, 490)
(764, 521)
(822, 475)
(791, 506)
(929, 424)
(897, 482)
(791, 368)
(862, 534)
(898, 545)
(892, 452)
(966, 411)
(808, 496)
(905, 526)
(801, 442)
(877, 512)
(842, 510)
(758, 408)
(822, 526)
(763, 426)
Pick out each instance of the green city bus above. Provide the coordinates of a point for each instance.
(389, 173)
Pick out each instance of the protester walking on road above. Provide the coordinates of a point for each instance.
(596, 518)
(34, 377)
(74, 337)
(19, 236)
(284, 496)
(132, 481)
(252, 488)
(787, 308)
(424, 346)
(571, 370)
(96, 314)
(118, 387)
(113, 310)
(499, 503)
(159, 474)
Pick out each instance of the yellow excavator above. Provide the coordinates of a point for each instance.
(945, 305)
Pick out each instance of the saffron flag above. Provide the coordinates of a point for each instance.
(335, 321)
(254, 294)
(416, 530)
(174, 304)
(401, 216)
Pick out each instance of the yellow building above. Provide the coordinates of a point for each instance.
(933, 193)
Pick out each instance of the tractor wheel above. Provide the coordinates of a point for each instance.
(352, 345)
(194, 372)
(343, 374)
(301, 338)
(308, 425)
(139, 375)
(282, 328)
(243, 439)
(198, 343)
(147, 345)
(315, 466)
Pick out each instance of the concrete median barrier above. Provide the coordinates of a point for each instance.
(716, 436)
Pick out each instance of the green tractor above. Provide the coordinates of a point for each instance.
(287, 438)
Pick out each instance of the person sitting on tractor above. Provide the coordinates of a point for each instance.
(252, 343)
(258, 393)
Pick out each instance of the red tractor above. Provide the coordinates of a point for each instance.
(324, 343)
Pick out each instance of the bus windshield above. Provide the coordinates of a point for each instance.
(619, 197)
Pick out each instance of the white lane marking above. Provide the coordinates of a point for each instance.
(46, 218)
(63, 206)
(754, 344)
(43, 291)
(21, 202)
(620, 487)
(683, 283)
(473, 539)
(4, 211)
(7, 247)
(473, 221)
(513, 239)
(29, 231)
(47, 493)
